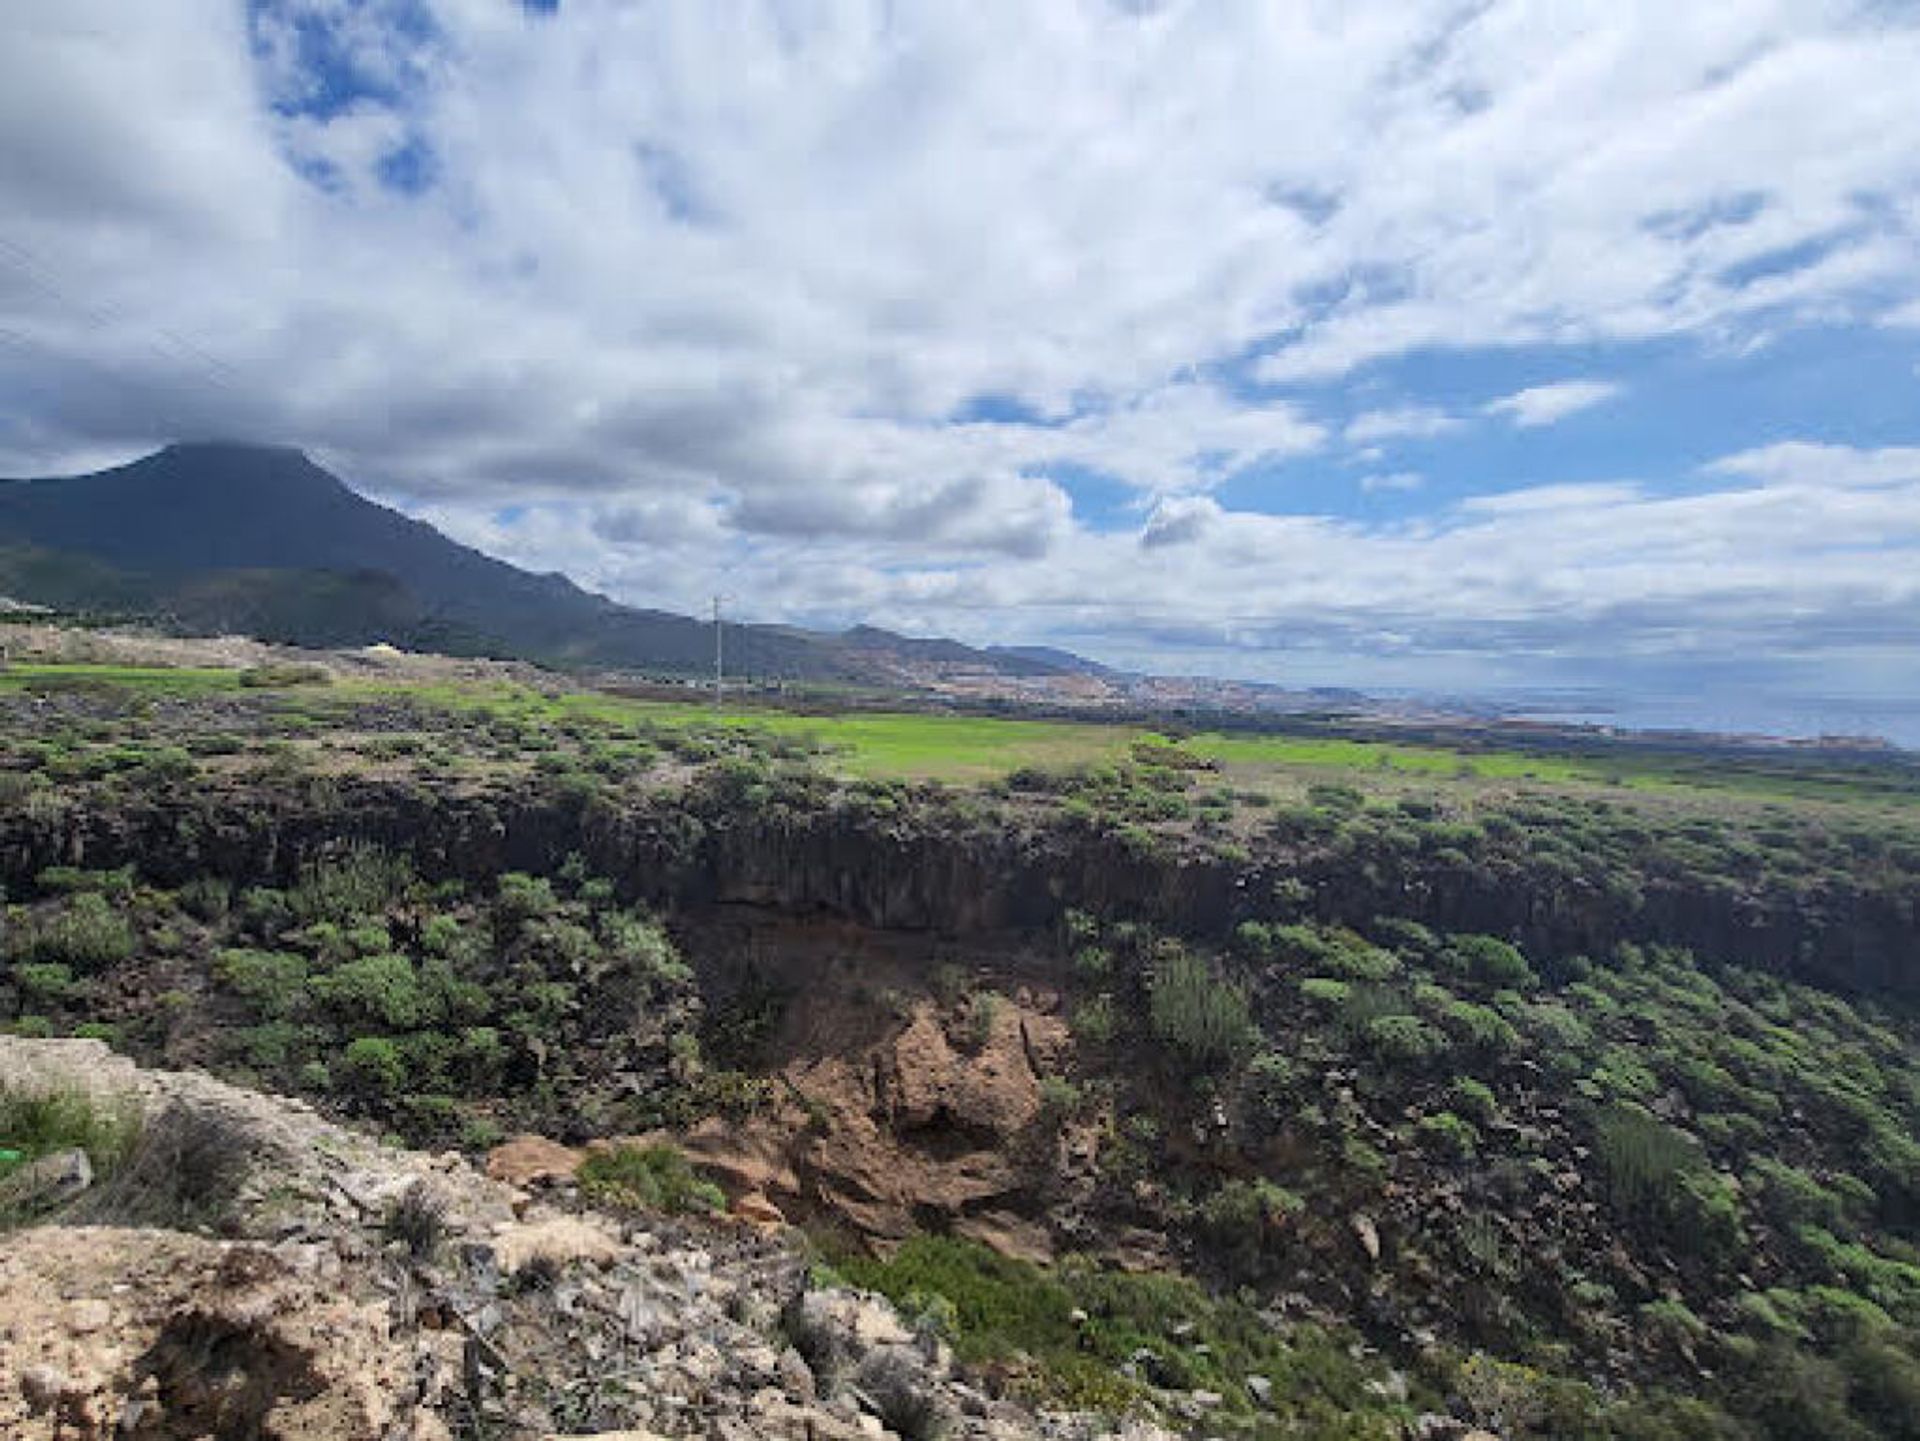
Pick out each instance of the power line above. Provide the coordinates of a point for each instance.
(167, 344)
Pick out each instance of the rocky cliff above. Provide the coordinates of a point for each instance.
(925, 867)
(344, 1290)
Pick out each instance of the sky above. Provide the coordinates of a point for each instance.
(1460, 347)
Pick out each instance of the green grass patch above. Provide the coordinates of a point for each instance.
(654, 1178)
(905, 745)
(36, 1123)
(1166, 1328)
(176, 680)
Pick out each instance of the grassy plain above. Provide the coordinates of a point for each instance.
(970, 749)
(170, 680)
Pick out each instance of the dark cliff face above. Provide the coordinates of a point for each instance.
(927, 873)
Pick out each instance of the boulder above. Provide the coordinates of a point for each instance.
(532, 1160)
(834, 1330)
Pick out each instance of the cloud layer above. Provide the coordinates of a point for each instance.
(1020, 322)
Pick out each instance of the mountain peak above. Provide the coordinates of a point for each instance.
(229, 461)
(218, 445)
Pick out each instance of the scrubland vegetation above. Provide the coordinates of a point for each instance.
(1581, 1093)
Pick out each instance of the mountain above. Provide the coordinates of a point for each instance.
(218, 536)
(937, 651)
(1052, 659)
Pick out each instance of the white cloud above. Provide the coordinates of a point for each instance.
(1799, 463)
(1392, 480)
(1540, 405)
(1418, 422)
(1906, 316)
(704, 287)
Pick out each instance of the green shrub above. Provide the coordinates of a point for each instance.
(1672, 1323)
(1354, 960)
(77, 880)
(1270, 1083)
(382, 988)
(1791, 1197)
(983, 1011)
(375, 1064)
(1401, 1040)
(360, 883)
(656, 1178)
(46, 983)
(1480, 1028)
(1095, 1020)
(643, 945)
(1199, 1014)
(207, 897)
(86, 933)
(1059, 1097)
(1448, 1135)
(1489, 960)
(35, 1123)
(1659, 1177)
(1325, 992)
(1474, 1099)
(274, 981)
(1093, 962)
(522, 897)
(1254, 940)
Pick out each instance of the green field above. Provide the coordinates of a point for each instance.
(966, 749)
(194, 680)
(905, 745)
(1254, 751)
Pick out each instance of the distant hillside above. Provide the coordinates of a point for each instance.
(1049, 658)
(261, 540)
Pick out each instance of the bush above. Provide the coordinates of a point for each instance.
(1095, 1020)
(1240, 1210)
(183, 1171)
(1059, 1097)
(86, 934)
(1659, 1177)
(274, 981)
(1489, 960)
(375, 1064)
(656, 1178)
(1270, 1082)
(37, 1123)
(983, 1010)
(1400, 1040)
(45, 983)
(1481, 1028)
(1474, 1099)
(523, 897)
(1325, 992)
(379, 988)
(77, 880)
(206, 897)
(644, 946)
(1447, 1135)
(1202, 1016)
(360, 883)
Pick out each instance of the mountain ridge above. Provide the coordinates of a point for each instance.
(230, 535)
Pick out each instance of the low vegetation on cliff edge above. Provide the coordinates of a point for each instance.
(1589, 1104)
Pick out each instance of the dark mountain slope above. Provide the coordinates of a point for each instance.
(261, 539)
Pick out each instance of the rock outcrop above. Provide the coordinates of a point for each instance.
(347, 1291)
